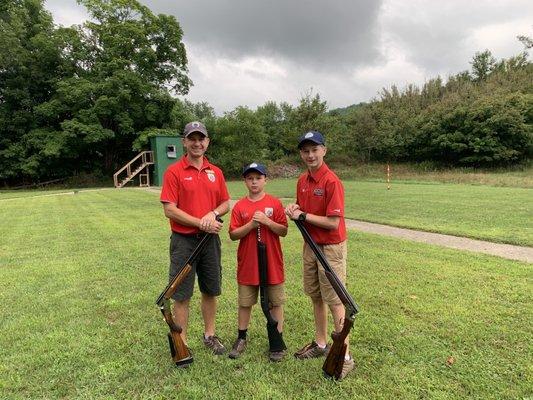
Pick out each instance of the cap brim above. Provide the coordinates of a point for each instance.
(253, 170)
(309, 141)
(191, 132)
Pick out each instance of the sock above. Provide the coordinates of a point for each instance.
(347, 357)
(242, 333)
(322, 346)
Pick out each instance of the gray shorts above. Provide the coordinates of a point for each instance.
(207, 265)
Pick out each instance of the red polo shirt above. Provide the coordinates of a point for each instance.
(194, 191)
(247, 267)
(322, 193)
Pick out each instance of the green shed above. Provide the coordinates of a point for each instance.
(166, 150)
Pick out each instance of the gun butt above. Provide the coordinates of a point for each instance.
(179, 352)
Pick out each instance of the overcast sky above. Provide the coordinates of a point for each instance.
(247, 52)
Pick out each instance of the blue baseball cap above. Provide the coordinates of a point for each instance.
(254, 167)
(313, 137)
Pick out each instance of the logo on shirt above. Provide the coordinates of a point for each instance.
(337, 210)
(210, 174)
(318, 192)
(188, 178)
(269, 211)
(244, 215)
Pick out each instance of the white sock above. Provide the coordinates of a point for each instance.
(322, 346)
(347, 357)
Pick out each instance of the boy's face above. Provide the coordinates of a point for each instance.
(255, 182)
(313, 155)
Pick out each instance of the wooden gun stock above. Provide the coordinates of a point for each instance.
(334, 362)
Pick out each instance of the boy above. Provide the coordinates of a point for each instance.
(258, 210)
(320, 204)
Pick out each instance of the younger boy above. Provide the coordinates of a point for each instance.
(258, 210)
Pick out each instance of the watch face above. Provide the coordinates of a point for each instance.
(301, 217)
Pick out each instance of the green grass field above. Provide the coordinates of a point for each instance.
(499, 214)
(79, 276)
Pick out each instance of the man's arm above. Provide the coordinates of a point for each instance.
(181, 217)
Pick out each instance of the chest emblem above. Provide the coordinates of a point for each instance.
(318, 192)
(269, 211)
(210, 174)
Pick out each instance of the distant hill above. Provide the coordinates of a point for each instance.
(345, 110)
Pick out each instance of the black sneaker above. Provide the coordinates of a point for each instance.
(214, 343)
(276, 356)
(238, 348)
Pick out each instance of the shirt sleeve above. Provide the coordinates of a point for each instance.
(235, 221)
(224, 194)
(279, 213)
(170, 188)
(334, 199)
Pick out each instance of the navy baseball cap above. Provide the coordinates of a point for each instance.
(313, 137)
(254, 167)
(195, 126)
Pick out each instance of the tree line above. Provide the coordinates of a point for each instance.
(85, 99)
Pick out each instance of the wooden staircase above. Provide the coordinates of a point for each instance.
(137, 166)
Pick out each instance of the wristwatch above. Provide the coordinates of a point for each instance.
(216, 213)
(302, 216)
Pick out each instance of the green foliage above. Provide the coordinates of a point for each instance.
(238, 139)
(85, 92)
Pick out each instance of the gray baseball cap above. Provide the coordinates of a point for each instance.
(195, 126)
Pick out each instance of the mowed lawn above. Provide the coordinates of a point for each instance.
(498, 214)
(79, 275)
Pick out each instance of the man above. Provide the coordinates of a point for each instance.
(194, 193)
(320, 204)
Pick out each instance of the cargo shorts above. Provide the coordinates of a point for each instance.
(207, 266)
(316, 284)
(248, 295)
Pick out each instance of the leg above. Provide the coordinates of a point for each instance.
(277, 313)
(181, 317)
(337, 311)
(321, 321)
(209, 309)
(244, 317)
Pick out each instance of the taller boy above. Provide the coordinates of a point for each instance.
(320, 204)
(194, 193)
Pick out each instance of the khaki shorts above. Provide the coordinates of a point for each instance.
(316, 284)
(248, 295)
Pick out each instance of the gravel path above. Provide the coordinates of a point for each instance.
(512, 252)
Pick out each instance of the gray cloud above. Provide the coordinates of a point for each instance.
(320, 33)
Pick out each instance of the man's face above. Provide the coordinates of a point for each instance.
(255, 182)
(313, 155)
(196, 144)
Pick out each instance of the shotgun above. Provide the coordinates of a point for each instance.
(334, 362)
(179, 351)
(275, 340)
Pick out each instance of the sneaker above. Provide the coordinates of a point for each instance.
(348, 366)
(214, 343)
(276, 356)
(238, 348)
(311, 350)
